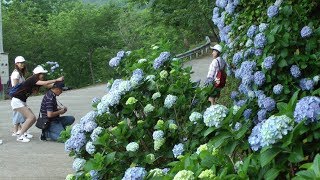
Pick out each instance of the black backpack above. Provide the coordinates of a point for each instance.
(9, 87)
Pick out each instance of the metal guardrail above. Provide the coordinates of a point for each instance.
(198, 51)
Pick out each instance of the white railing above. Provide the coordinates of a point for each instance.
(196, 52)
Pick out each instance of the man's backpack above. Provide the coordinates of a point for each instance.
(15, 89)
(221, 78)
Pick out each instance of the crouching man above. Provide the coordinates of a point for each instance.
(49, 108)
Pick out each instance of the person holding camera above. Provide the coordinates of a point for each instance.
(50, 109)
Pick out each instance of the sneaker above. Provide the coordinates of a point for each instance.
(1, 142)
(27, 135)
(43, 137)
(15, 134)
(23, 139)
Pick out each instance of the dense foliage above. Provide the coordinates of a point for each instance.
(81, 37)
(153, 123)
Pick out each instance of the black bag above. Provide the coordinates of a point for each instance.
(42, 122)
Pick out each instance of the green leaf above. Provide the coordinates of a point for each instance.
(293, 100)
(271, 174)
(316, 165)
(282, 63)
(268, 155)
(296, 155)
(219, 139)
(284, 53)
(209, 131)
(229, 148)
(110, 158)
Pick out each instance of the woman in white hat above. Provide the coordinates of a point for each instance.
(216, 64)
(19, 99)
(18, 76)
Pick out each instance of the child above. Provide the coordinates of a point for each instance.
(213, 70)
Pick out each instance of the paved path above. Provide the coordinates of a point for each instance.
(48, 160)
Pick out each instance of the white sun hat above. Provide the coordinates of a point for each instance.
(19, 59)
(217, 47)
(39, 69)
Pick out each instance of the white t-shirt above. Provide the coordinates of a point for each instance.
(15, 75)
(214, 67)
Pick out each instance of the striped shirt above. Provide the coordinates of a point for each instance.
(49, 103)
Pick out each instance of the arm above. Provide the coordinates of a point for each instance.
(51, 114)
(49, 82)
(14, 82)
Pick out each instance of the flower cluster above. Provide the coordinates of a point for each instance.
(308, 109)
(266, 103)
(214, 115)
(203, 147)
(247, 113)
(295, 71)
(194, 117)
(54, 65)
(177, 150)
(78, 164)
(306, 84)
(114, 62)
(164, 74)
(156, 95)
(163, 57)
(306, 32)
(95, 133)
(268, 62)
(90, 148)
(148, 108)
(251, 31)
(270, 131)
(131, 100)
(184, 175)
(272, 11)
(259, 78)
(260, 40)
(207, 174)
(158, 139)
(277, 89)
(95, 100)
(170, 101)
(133, 147)
(134, 173)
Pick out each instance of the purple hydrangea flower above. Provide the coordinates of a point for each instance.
(163, 57)
(230, 8)
(249, 52)
(254, 138)
(262, 115)
(277, 89)
(268, 62)
(258, 52)
(307, 108)
(121, 54)
(247, 113)
(114, 62)
(306, 32)
(241, 102)
(306, 84)
(260, 40)
(237, 57)
(272, 11)
(295, 71)
(221, 3)
(234, 95)
(267, 103)
(259, 78)
(134, 173)
(244, 89)
(252, 30)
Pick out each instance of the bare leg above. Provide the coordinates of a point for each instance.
(30, 119)
(15, 128)
(212, 100)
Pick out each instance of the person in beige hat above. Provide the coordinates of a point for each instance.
(19, 98)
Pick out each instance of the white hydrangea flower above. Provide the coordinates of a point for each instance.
(133, 147)
(214, 115)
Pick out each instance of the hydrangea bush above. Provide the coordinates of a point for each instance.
(154, 123)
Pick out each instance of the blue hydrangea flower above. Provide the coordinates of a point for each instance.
(90, 148)
(252, 31)
(295, 71)
(177, 150)
(237, 126)
(259, 78)
(306, 32)
(277, 89)
(247, 113)
(114, 62)
(268, 62)
(258, 52)
(255, 137)
(121, 54)
(247, 79)
(237, 58)
(111, 99)
(267, 103)
(89, 126)
(272, 11)
(306, 84)
(262, 115)
(214, 115)
(137, 77)
(263, 27)
(94, 175)
(134, 173)
(249, 52)
(163, 57)
(234, 95)
(78, 164)
(307, 108)
(95, 133)
(170, 101)
(75, 142)
(230, 8)
(241, 102)
(95, 100)
(124, 86)
(221, 3)
(194, 117)
(260, 40)
(216, 13)
(246, 68)
(157, 135)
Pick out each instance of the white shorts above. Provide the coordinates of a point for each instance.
(17, 103)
